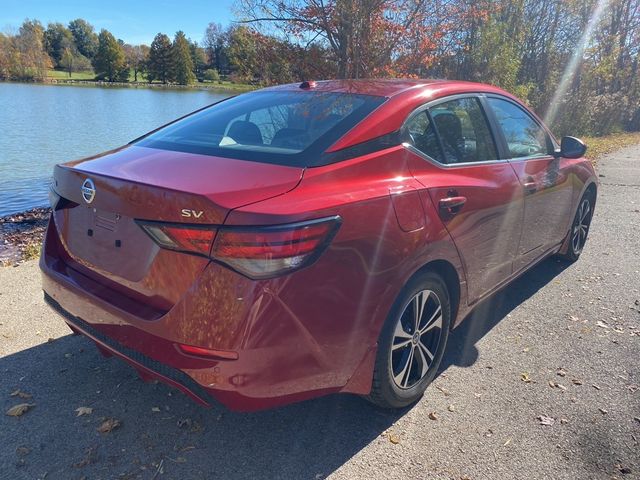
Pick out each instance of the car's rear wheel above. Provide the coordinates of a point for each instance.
(580, 227)
(412, 342)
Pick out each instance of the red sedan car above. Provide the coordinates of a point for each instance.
(311, 238)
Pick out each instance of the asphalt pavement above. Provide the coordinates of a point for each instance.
(542, 382)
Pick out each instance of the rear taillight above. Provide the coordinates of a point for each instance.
(264, 252)
(183, 238)
(256, 252)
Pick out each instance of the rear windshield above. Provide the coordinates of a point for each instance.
(287, 128)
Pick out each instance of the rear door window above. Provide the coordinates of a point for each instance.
(288, 128)
(463, 131)
(422, 136)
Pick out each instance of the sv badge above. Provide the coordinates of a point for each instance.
(191, 213)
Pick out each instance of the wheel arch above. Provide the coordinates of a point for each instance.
(592, 187)
(445, 270)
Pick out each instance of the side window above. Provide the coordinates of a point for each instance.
(463, 131)
(525, 138)
(423, 136)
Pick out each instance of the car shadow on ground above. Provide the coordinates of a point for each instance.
(461, 348)
(162, 431)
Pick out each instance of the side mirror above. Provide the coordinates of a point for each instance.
(572, 147)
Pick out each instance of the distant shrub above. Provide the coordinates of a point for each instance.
(211, 75)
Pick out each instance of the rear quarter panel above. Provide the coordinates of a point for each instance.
(337, 306)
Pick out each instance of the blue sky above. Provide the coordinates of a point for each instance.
(134, 21)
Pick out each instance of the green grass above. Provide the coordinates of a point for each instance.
(60, 75)
(599, 146)
(90, 76)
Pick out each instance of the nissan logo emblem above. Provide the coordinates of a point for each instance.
(88, 190)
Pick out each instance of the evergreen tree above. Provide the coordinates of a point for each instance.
(110, 62)
(182, 60)
(199, 59)
(160, 65)
(84, 36)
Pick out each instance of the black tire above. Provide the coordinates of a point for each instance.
(391, 387)
(577, 236)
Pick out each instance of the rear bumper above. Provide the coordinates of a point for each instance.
(227, 382)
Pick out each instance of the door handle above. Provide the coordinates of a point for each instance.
(530, 185)
(451, 205)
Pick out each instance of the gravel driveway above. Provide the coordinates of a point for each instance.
(559, 346)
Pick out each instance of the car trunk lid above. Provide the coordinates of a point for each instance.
(104, 196)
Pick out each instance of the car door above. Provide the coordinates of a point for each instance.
(545, 181)
(453, 154)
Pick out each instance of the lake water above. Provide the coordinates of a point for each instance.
(41, 125)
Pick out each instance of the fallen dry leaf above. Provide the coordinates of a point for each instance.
(564, 421)
(451, 408)
(561, 373)
(19, 409)
(89, 457)
(84, 411)
(602, 324)
(544, 420)
(433, 416)
(524, 376)
(576, 381)
(443, 390)
(603, 411)
(22, 450)
(20, 393)
(108, 425)
(393, 438)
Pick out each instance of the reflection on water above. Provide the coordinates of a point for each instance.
(41, 125)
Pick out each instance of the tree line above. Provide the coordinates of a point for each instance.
(574, 61)
(238, 53)
(76, 47)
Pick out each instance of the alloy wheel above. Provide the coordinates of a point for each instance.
(581, 226)
(416, 339)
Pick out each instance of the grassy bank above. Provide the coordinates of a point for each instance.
(58, 77)
(599, 146)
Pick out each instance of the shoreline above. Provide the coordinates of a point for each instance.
(21, 235)
(216, 87)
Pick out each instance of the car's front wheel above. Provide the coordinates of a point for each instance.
(412, 342)
(580, 227)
